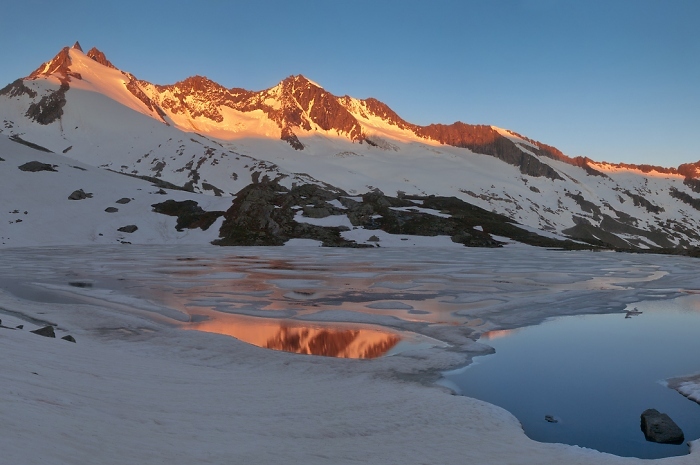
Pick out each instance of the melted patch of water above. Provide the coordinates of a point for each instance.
(342, 341)
(595, 375)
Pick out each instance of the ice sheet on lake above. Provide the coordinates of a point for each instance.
(173, 396)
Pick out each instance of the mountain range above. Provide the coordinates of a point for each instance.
(197, 162)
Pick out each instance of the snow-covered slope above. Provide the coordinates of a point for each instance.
(215, 140)
(36, 209)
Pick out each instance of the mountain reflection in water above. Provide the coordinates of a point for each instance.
(356, 342)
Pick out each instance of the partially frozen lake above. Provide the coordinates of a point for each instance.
(424, 309)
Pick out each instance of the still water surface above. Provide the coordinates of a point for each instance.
(595, 374)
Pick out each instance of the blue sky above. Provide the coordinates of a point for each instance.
(612, 80)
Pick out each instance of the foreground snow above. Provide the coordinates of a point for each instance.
(689, 386)
(136, 388)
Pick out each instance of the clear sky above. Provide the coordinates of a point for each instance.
(614, 80)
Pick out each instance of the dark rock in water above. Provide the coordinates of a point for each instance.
(129, 228)
(79, 195)
(34, 166)
(68, 338)
(123, 200)
(658, 427)
(46, 331)
(550, 419)
(111, 210)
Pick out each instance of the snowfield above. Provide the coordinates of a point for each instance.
(139, 388)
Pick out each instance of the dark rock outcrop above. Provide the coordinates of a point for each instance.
(79, 195)
(46, 331)
(17, 88)
(50, 107)
(123, 200)
(19, 140)
(659, 427)
(68, 338)
(131, 228)
(35, 166)
(111, 210)
(189, 214)
(99, 57)
(265, 213)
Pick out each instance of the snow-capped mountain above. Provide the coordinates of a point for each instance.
(208, 139)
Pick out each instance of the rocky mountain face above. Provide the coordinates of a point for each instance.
(263, 148)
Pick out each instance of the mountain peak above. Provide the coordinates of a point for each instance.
(99, 57)
(300, 79)
(76, 46)
(59, 66)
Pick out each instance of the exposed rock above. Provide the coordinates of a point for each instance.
(17, 88)
(685, 198)
(19, 326)
(123, 200)
(262, 214)
(550, 419)
(638, 200)
(373, 238)
(58, 65)
(46, 331)
(189, 214)
(111, 210)
(291, 139)
(80, 195)
(129, 228)
(50, 107)
(693, 184)
(210, 187)
(659, 427)
(19, 140)
(68, 338)
(99, 57)
(76, 46)
(35, 166)
(586, 205)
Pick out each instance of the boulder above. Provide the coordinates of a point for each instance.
(111, 210)
(34, 166)
(68, 338)
(658, 427)
(79, 195)
(46, 331)
(129, 228)
(123, 200)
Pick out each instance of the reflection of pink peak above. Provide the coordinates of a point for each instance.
(341, 342)
(499, 333)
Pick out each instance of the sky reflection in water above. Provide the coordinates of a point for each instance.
(595, 374)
